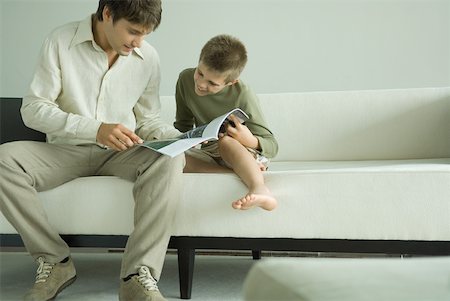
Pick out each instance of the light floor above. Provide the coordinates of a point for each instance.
(216, 277)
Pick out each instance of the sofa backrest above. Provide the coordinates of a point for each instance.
(343, 125)
(355, 125)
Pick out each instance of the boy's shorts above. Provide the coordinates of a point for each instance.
(210, 153)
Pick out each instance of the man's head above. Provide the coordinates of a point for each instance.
(222, 60)
(125, 23)
(146, 13)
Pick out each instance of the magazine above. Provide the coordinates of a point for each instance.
(175, 146)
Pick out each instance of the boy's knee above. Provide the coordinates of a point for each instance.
(226, 141)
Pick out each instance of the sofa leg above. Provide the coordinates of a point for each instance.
(256, 254)
(186, 258)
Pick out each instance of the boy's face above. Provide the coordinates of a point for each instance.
(207, 81)
(123, 36)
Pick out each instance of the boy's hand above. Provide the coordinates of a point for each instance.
(117, 137)
(241, 133)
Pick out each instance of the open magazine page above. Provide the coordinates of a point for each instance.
(172, 147)
(210, 131)
(196, 132)
(213, 128)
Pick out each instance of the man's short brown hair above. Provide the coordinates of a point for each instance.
(142, 12)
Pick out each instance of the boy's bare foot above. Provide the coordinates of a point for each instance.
(265, 200)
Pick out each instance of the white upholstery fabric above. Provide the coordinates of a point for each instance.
(352, 165)
(357, 201)
(327, 279)
(360, 125)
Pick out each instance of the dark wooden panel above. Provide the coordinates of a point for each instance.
(12, 127)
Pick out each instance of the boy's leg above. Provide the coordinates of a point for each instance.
(245, 166)
(198, 161)
(28, 167)
(157, 190)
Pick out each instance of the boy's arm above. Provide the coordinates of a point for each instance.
(241, 133)
(184, 119)
(264, 143)
(257, 125)
(268, 145)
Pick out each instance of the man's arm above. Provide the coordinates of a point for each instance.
(117, 137)
(39, 108)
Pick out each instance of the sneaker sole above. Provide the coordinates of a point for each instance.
(62, 287)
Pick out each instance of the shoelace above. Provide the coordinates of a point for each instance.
(43, 270)
(146, 279)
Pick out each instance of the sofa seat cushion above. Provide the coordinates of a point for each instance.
(345, 200)
(414, 165)
(331, 279)
(348, 200)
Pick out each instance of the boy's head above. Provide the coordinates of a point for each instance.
(146, 13)
(221, 61)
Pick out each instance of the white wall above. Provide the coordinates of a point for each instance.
(293, 45)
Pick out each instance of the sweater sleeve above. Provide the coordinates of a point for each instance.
(258, 126)
(184, 119)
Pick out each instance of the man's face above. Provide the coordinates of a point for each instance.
(123, 36)
(207, 81)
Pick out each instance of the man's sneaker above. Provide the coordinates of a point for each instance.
(140, 287)
(51, 279)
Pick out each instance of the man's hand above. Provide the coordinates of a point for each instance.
(117, 137)
(241, 133)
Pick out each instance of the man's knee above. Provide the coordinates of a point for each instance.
(8, 151)
(180, 161)
(175, 164)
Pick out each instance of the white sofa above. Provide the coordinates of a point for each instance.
(357, 171)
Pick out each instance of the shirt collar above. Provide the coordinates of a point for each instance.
(84, 33)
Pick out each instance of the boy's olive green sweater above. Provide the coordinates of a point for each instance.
(194, 110)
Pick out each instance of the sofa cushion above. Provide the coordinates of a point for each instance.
(346, 200)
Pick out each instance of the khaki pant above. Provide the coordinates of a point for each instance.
(29, 167)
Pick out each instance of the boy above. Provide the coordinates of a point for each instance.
(95, 93)
(213, 89)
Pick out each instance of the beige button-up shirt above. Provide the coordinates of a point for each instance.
(73, 90)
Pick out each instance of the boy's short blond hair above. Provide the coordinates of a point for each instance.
(225, 54)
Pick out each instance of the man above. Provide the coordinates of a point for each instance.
(95, 94)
